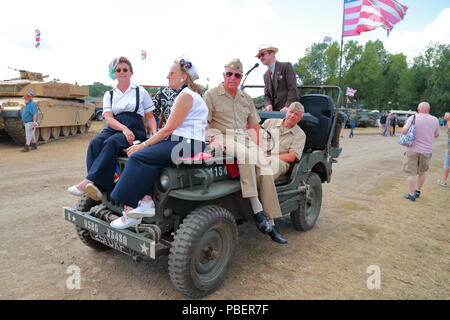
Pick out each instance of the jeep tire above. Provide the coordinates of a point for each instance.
(202, 251)
(305, 217)
(85, 204)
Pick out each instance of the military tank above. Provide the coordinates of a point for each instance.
(62, 112)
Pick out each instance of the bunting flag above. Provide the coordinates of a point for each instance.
(367, 15)
(38, 38)
(144, 55)
(350, 92)
(327, 39)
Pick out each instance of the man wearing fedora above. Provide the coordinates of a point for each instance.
(29, 118)
(231, 112)
(280, 82)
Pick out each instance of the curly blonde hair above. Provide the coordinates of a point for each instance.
(190, 83)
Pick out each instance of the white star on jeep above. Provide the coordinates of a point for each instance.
(74, 219)
(144, 248)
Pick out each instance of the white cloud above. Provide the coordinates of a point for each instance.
(413, 43)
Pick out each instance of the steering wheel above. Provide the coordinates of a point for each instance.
(267, 136)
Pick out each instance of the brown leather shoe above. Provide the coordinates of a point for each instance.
(33, 146)
(26, 148)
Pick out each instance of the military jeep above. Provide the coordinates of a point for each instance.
(199, 206)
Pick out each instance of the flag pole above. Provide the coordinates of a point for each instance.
(342, 43)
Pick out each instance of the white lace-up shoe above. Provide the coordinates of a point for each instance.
(145, 209)
(125, 222)
(75, 191)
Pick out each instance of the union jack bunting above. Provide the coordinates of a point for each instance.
(350, 92)
(327, 39)
(144, 55)
(38, 38)
(367, 15)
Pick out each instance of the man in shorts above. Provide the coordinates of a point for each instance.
(417, 156)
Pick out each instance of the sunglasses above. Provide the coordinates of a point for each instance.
(118, 70)
(236, 74)
(262, 54)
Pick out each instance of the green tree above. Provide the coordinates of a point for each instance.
(320, 65)
(98, 89)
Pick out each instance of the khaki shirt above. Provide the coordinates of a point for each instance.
(289, 139)
(226, 112)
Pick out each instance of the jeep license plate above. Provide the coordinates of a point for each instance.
(124, 241)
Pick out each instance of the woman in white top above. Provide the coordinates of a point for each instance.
(184, 129)
(123, 109)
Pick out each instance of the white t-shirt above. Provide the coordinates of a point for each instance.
(195, 122)
(126, 101)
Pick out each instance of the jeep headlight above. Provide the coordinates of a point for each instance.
(164, 181)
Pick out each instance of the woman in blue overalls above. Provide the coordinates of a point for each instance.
(123, 109)
(182, 136)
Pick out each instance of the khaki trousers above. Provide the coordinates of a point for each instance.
(279, 167)
(256, 175)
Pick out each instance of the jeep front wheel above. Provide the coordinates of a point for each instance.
(202, 251)
(305, 217)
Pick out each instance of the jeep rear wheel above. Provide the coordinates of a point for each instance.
(305, 217)
(202, 251)
(85, 204)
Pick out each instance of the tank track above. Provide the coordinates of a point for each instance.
(14, 128)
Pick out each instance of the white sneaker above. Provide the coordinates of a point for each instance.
(93, 192)
(145, 209)
(75, 191)
(125, 222)
(442, 183)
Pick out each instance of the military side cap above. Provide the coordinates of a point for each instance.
(296, 106)
(235, 64)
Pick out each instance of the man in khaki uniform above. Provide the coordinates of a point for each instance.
(289, 139)
(230, 112)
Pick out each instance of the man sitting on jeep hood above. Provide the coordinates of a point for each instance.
(230, 111)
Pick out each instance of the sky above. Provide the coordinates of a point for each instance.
(80, 38)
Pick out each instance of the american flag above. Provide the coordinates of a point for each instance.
(366, 15)
(327, 39)
(350, 92)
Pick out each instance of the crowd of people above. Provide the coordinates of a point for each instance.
(224, 116)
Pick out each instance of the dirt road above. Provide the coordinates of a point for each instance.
(364, 222)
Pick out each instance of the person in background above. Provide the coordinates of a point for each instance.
(353, 121)
(417, 157)
(393, 124)
(123, 109)
(443, 182)
(29, 118)
(280, 82)
(163, 101)
(383, 128)
(344, 122)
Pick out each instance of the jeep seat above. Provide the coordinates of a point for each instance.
(321, 106)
